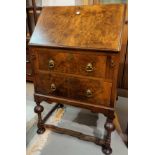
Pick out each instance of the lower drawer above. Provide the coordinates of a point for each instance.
(89, 90)
(48, 84)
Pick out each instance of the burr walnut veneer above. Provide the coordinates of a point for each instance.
(75, 57)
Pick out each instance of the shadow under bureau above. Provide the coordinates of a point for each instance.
(75, 54)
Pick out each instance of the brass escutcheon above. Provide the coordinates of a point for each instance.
(89, 93)
(53, 87)
(51, 64)
(89, 67)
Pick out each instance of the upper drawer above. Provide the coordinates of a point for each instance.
(79, 63)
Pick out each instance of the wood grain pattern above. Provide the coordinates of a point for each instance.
(75, 61)
(102, 30)
(71, 62)
(100, 90)
(74, 88)
(122, 78)
(44, 81)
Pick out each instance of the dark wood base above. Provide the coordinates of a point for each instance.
(39, 109)
(106, 151)
(109, 127)
(105, 143)
(51, 111)
(61, 105)
(41, 130)
(76, 134)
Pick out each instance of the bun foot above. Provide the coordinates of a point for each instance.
(106, 151)
(61, 105)
(41, 130)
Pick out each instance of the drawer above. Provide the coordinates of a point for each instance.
(79, 63)
(48, 84)
(93, 91)
(90, 90)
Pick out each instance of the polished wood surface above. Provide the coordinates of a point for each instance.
(94, 91)
(102, 30)
(79, 135)
(75, 62)
(78, 64)
(71, 62)
(90, 90)
(122, 84)
(70, 77)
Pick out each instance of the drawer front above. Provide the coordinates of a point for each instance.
(90, 90)
(71, 62)
(48, 84)
(82, 89)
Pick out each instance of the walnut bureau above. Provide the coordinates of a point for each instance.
(75, 54)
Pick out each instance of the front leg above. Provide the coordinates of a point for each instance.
(39, 109)
(109, 127)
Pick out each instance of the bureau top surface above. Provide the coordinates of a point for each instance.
(96, 27)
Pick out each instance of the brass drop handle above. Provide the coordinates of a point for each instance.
(53, 87)
(89, 67)
(89, 93)
(77, 12)
(112, 63)
(51, 64)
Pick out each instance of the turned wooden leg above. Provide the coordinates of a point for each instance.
(117, 98)
(39, 109)
(61, 105)
(109, 126)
